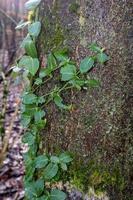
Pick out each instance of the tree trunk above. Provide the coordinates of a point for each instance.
(98, 130)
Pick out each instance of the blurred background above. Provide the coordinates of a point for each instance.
(11, 169)
(11, 12)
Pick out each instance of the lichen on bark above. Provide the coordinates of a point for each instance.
(99, 127)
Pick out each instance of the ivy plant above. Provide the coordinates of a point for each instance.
(41, 168)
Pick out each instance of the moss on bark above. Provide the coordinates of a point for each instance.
(99, 127)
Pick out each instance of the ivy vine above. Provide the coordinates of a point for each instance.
(41, 168)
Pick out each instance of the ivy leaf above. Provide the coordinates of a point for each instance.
(94, 47)
(44, 72)
(50, 171)
(38, 81)
(34, 189)
(30, 64)
(30, 109)
(30, 190)
(26, 39)
(39, 187)
(44, 197)
(68, 72)
(65, 158)
(27, 159)
(41, 124)
(41, 100)
(57, 195)
(61, 56)
(64, 166)
(38, 115)
(54, 159)
(29, 98)
(59, 102)
(21, 25)
(51, 63)
(30, 172)
(34, 29)
(29, 138)
(30, 49)
(102, 58)
(25, 120)
(41, 161)
(32, 4)
(78, 83)
(86, 64)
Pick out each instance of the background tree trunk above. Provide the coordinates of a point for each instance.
(11, 12)
(99, 127)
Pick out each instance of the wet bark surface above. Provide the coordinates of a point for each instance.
(99, 127)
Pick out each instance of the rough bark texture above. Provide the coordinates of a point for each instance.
(99, 127)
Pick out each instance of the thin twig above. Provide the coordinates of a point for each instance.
(9, 17)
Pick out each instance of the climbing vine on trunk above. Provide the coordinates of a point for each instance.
(42, 168)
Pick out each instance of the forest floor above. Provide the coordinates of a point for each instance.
(12, 170)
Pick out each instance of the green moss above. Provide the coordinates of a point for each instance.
(96, 175)
(73, 8)
(52, 37)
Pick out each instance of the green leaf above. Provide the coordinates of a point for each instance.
(41, 100)
(102, 58)
(44, 72)
(68, 72)
(59, 102)
(41, 124)
(41, 161)
(30, 109)
(32, 4)
(26, 39)
(34, 29)
(38, 115)
(57, 195)
(27, 159)
(34, 189)
(86, 64)
(30, 49)
(61, 56)
(29, 98)
(30, 172)
(94, 47)
(78, 83)
(30, 64)
(44, 197)
(21, 25)
(39, 187)
(38, 81)
(51, 63)
(25, 120)
(50, 171)
(92, 83)
(65, 158)
(64, 166)
(29, 138)
(30, 192)
(54, 159)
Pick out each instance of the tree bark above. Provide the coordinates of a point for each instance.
(99, 127)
